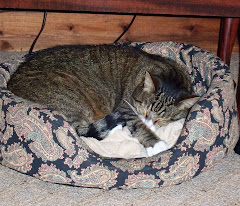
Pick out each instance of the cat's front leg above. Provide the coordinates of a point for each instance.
(150, 141)
(158, 147)
(145, 136)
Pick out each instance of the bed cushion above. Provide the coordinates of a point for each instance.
(39, 142)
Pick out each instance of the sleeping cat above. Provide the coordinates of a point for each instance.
(98, 87)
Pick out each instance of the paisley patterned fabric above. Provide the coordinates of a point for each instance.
(38, 141)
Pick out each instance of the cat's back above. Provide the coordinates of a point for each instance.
(73, 56)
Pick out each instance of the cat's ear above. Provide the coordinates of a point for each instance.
(187, 103)
(148, 83)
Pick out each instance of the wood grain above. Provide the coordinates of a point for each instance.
(229, 8)
(18, 30)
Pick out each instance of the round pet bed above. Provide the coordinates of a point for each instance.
(38, 141)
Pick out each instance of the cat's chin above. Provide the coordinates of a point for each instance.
(158, 147)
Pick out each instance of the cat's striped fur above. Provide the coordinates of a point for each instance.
(97, 87)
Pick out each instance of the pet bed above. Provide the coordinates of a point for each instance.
(38, 141)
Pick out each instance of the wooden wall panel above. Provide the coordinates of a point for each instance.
(18, 30)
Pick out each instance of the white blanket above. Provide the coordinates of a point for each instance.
(120, 144)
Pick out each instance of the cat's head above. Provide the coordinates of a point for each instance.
(154, 101)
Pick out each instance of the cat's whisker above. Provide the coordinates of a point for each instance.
(133, 109)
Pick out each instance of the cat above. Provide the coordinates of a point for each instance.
(97, 87)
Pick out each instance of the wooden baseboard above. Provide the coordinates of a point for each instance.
(18, 30)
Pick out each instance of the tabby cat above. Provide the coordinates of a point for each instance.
(98, 87)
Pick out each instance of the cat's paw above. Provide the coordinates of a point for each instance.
(158, 147)
(118, 127)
